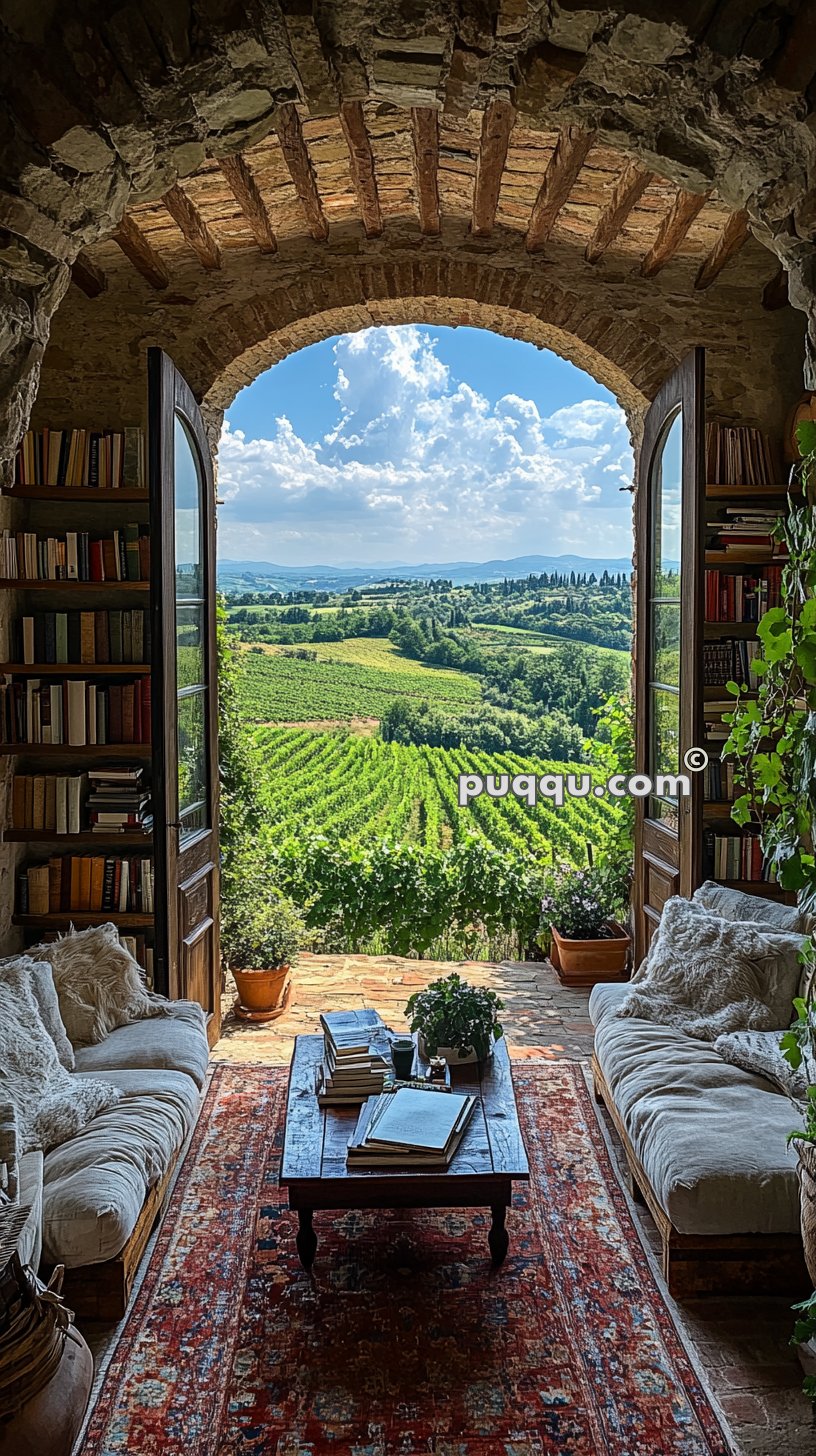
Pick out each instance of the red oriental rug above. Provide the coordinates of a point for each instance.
(405, 1342)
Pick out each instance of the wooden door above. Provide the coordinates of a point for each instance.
(668, 642)
(185, 723)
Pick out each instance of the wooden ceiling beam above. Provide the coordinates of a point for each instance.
(193, 228)
(141, 253)
(361, 164)
(425, 132)
(672, 230)
(731, 239)
(86, 275)
(626, 193)
(244, 189)
(296, 156)
(497, 124)
(564, 165)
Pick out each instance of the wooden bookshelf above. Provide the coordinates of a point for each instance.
(748, 492)
(61, 919)
(81, 494)
(729, 558)
(13, 583)
(131, 838)
(83, 750)
(75, 669)
(730, 629)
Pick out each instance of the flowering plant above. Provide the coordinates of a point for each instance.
(579, 903)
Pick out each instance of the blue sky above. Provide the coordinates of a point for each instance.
(418, 444)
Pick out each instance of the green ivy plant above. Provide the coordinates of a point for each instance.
(452, 1013)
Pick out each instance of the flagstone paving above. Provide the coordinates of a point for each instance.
(742, 1343)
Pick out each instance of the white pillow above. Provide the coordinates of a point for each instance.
(707, 976)
(50, 1106)
(45, 994)
(737, 905)
(99, 984)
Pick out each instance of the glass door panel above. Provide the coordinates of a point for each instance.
(191, 670)
(666, 506)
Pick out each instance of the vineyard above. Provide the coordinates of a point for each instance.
(356, 789)
(350, 679)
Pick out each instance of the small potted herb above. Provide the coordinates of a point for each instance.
(260, 940)
(455, 1020)
(579, 907)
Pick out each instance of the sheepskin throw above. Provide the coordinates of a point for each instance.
(99, 984)
(50, 1106)
(708, 976)
(737, 905)
(45, 995)
(758, 1052)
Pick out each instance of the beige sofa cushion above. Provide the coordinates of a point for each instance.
(95, 1185)
(711, 1137)
(177, 1041)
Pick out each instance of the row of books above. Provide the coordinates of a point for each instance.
(356, 1057)
(75, 712)
(731, 597)
(730, 660)
(409, 1128)
(718, 781)
(77, 556)
(98, 883)
(746, 533)
(103, 800)
(86, 637)
(738, 455)
(102, 459)
(735, 857)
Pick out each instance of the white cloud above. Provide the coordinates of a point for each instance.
(420, 466)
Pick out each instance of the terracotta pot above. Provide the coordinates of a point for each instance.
(584, 962)
(261, 990)
(451, 1054)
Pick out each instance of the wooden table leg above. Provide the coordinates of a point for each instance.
(306, 1238)
(498, 1238)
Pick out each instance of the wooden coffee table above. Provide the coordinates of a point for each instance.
(484, 1167)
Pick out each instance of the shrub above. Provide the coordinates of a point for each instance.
(452, 1013)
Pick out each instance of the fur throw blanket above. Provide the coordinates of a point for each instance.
(758, 1052)
(708, 976)
(49, 1104)
(99, 983)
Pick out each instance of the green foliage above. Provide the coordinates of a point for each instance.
(497, 730)
(285, 689)
(579, 902)
(612, 751)
(260, 928)
(452, 1013)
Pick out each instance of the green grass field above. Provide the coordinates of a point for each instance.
(356, 678)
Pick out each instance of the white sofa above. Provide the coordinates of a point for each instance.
(706, 1144)
(95, 1198)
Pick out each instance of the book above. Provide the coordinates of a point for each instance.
(409, 1128)
(97, 459)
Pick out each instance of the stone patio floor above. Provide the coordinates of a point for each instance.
(742, 1343)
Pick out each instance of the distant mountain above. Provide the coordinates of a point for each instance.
(237, 576)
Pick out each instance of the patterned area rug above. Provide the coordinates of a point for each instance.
(405, 1341)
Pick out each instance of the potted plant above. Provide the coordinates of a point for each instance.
(579, 906)
(455, 1020)
(260, 940)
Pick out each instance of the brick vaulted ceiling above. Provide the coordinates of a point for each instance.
(214, 175)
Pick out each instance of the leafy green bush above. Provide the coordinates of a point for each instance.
(452, 1013)
(260, 927)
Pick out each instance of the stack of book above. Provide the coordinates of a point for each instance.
(730, 660)
(76, 556)
(409, 1128)
(119, 800)
(732, 597)
(66, 883)
(101, 459)
(75, 712)
(356, 1059)
(738, 455)
(747, 533)
(88, 637)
